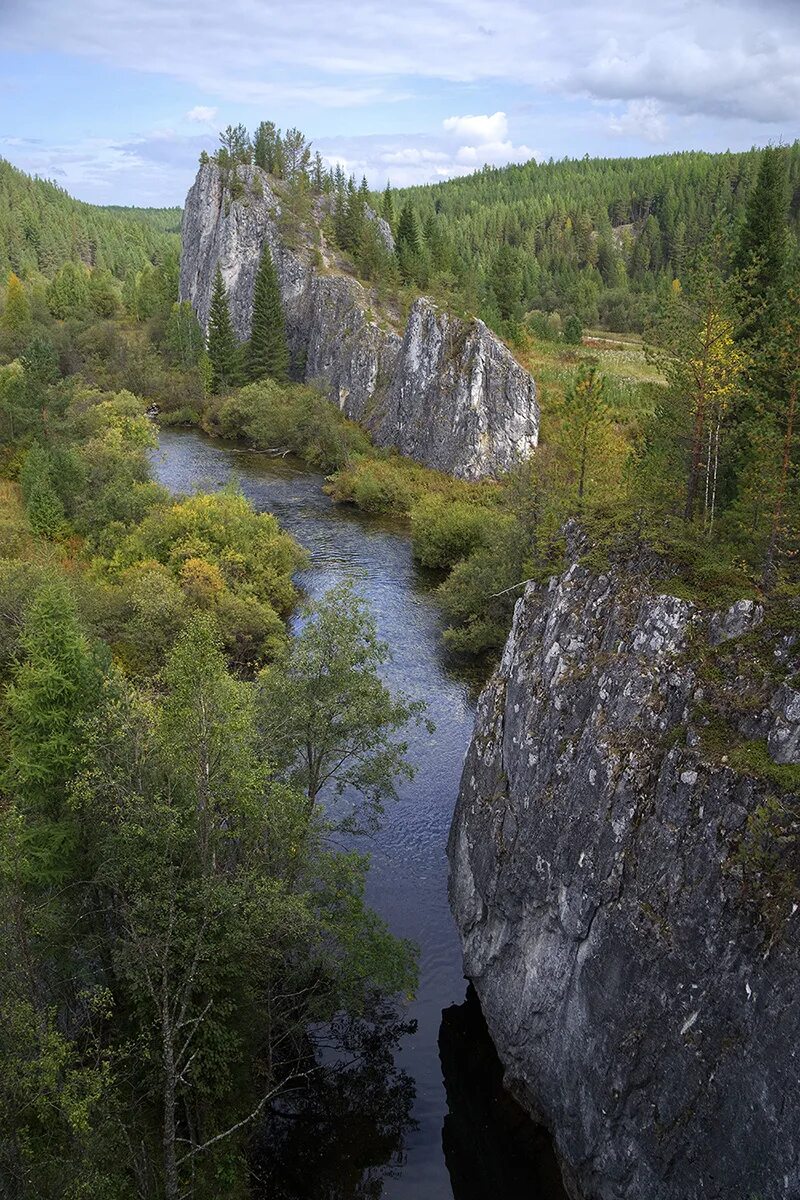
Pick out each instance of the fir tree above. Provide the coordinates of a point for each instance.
(268, 353)
(43, 504)
(223, 351)
(408, 239)
(56, 683)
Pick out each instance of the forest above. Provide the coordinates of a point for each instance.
(170, 758)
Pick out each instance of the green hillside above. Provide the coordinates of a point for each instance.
(42, 227)
(600, 238)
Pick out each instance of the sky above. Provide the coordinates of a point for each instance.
(115, 99)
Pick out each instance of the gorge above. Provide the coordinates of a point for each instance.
(631, 942)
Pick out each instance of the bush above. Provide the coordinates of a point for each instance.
(294, 418)
(374, 485)
(445, 532)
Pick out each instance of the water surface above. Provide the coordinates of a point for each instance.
(407, 880)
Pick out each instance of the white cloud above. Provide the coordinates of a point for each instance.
(640, 119)
(201, 113)
(482, 129)
(406, 159)
(728, 58)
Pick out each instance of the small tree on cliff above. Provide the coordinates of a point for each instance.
(268, 353)
(223, 351)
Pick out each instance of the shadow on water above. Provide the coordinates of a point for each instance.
(375, 1129)
(491, 1147)
(341, 1134)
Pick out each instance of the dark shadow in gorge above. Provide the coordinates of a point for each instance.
(340, 1135)
(491, 1147)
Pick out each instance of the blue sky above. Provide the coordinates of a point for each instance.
(114, 99)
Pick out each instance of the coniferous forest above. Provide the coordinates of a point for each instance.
(172, 761)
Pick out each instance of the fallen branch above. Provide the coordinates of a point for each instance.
(522, 583)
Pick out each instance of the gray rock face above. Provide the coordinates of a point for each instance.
(643, 1002)
(448, 393)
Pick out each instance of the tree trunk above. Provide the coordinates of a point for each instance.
(170, 1089)
(777, 516)
(694, 460)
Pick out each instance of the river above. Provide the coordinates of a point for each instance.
(432, 1157)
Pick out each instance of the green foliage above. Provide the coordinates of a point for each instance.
(267, 350)
(43, 504)
(445, 532)
(68, 292)
(761, 253)
(288, 418)
(223, 350)
(330, 723)
(15, 319)
(183, 337)
(41, 228)
(573, 331)
(54, 688)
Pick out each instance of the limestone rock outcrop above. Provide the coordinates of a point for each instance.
(447, 393)
(627, 898)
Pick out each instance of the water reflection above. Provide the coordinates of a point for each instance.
(343, 1132)
(377, 1131)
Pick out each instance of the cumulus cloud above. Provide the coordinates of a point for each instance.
(406, 159)
(483, 129)
(201, 113)
(640, 119)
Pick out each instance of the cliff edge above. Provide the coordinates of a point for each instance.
(624, 876)
(445, 391)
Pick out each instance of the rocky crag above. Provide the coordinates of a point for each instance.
(624, 875)
(445, 392)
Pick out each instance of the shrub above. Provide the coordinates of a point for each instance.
(445, 532)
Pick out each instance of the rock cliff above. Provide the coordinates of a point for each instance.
(624, 875)
(448, 393)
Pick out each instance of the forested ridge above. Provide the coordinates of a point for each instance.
(42, 227)
(180, 923)
(170, 758)
(597, 238)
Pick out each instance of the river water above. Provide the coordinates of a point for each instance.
(462, 1114)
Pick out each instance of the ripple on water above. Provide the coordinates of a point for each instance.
(407, 883)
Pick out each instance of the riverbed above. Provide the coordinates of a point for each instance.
(408, 874)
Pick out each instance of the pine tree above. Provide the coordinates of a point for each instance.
(268, 352)
(223, 351)
(264, 146)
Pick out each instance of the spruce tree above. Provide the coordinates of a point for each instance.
(761, 255)
(223, 351)
(387, 208)
(268, 352)
(408, 238)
